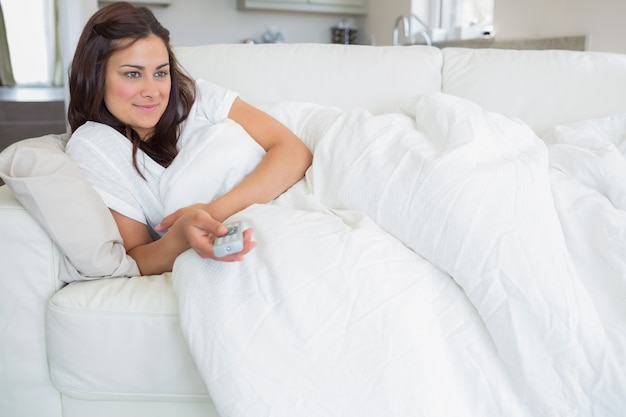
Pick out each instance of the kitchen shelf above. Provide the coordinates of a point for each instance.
(345, 7)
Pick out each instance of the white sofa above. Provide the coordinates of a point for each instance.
(113, 347)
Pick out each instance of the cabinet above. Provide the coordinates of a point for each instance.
(140, 2)
(27, 112)
(350, 7)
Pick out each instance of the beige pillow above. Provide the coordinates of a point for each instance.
(56, 193)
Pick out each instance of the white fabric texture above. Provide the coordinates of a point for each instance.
(420, 268)
(588, 161)
(105, 156)
(56, 193)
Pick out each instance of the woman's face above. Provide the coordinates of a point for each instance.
(137, 84)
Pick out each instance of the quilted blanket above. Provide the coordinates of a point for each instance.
(438, 261)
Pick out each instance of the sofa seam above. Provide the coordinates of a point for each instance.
(96, 312)
(75, 393)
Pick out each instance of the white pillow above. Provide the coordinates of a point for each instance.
(56, 193)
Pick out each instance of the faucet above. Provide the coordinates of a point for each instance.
(424, 32)
(405, 27)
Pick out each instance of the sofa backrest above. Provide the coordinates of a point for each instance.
(542, 88)
(374, 78)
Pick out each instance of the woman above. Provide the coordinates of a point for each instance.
(125, 82)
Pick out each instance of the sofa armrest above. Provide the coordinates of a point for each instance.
(29, 276)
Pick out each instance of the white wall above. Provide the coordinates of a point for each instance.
(604, 20)
(601, 20)
(212, 21)
(73, 14)
(193, 22)
(381, 18)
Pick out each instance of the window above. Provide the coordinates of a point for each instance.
(463, 19)
(31, 38)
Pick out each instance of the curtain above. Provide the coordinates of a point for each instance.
(55, 60)
(56, 77)
(6, 70)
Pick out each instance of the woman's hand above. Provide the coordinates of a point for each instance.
(201, 230)
(169, 220)
(191, 227)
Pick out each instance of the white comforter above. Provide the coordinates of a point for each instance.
(443, 261)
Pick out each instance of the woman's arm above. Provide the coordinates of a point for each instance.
(285, 162)
(194, 229)
(196, 226)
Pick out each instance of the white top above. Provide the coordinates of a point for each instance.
(208, 140)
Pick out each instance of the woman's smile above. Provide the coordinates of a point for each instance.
(147, 108)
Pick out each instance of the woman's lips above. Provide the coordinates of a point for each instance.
(148, 107)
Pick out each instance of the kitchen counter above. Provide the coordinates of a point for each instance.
(573, 43)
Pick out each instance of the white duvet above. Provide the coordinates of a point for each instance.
(443, 261)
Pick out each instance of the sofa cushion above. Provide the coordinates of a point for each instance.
(542, 88)
(376, 78)
(57, 194)
(99, 330)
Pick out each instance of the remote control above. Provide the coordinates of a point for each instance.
(231, 242)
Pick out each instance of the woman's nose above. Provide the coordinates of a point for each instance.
(149, 88)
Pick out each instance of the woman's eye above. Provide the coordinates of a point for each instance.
(132, 74)
(161, 74)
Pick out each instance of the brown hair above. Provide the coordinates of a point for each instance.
(104, 34)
